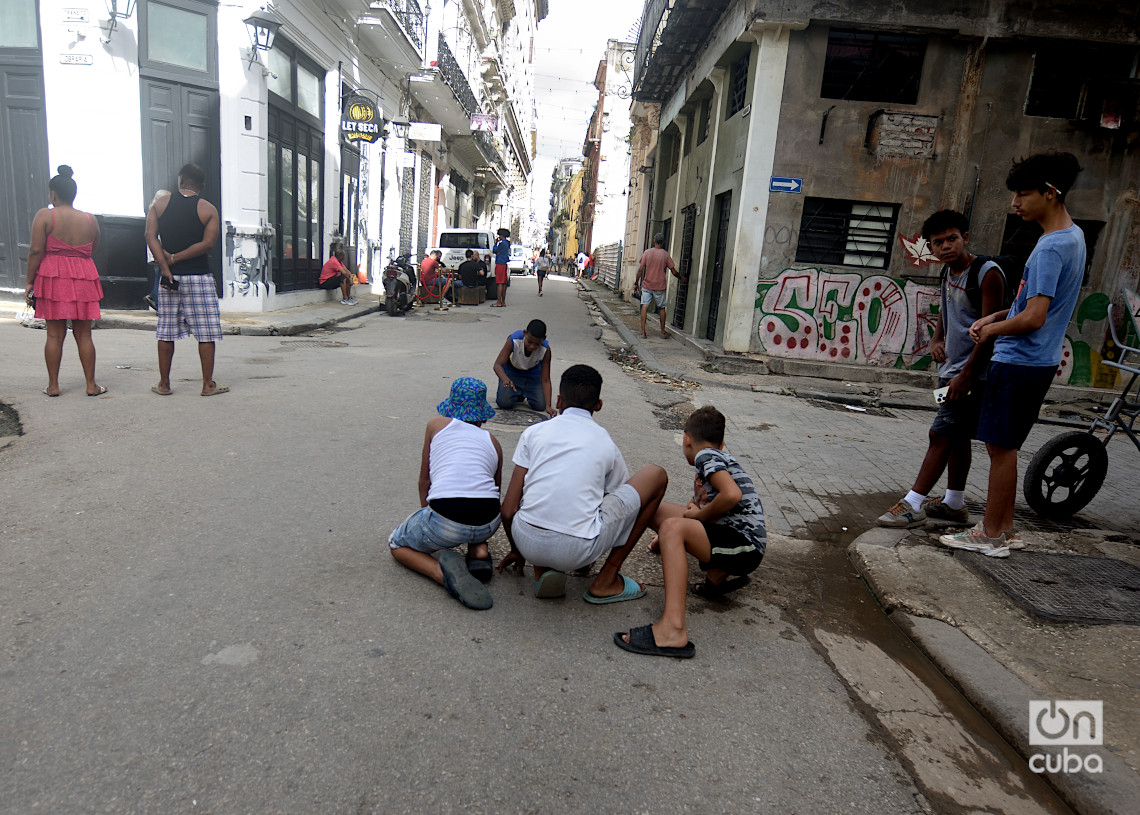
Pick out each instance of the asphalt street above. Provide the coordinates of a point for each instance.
(199, 614)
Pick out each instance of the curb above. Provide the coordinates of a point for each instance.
(996, 692)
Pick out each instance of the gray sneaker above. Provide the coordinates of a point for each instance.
(976, 540)
(901, 516)
(939, 511)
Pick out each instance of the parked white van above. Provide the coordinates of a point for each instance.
(454, 243)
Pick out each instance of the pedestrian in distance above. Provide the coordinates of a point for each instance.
(962, 372)
(1027, 340)
(649, 285)
(502, 252)
(562, 530)
(542, 266)
(723, 528)
(335, 275)
(461, 469)
(181, 230)
(580, 265)
(435, 283)
(155, 271)
(62, 281)
(523, 369)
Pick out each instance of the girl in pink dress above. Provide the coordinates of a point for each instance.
(62, 281)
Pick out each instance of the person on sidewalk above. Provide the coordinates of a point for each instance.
(523, 369)
(461, 470)
(430, 277)
(651, 281)
(181, 229)
(502, 252)
(542, 266)
(724, 531)
(472, 271)
(1028, 339)
(580, 265)
(62, 281)
(571, 499)
(334, 274)
(962, 371)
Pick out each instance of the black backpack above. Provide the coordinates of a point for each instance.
(1011, 270)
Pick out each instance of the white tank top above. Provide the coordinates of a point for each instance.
(462, 463)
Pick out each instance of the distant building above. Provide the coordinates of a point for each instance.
(801, 145)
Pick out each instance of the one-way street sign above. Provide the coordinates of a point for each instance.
(781, 184)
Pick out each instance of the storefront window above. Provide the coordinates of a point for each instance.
(19, 27)
(176, 36)
(308, 91)
(280, 77)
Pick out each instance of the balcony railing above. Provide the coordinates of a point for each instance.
(672, 33)
(409, 14)
(454, 77)
(487, 145)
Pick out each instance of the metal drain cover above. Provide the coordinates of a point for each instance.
(314, 344)
(1066, 588)
(519, 417)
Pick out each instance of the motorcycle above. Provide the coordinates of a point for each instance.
(399, 285)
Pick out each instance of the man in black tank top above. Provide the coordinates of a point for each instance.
(181, 229)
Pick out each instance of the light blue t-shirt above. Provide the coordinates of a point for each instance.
(1056, 269)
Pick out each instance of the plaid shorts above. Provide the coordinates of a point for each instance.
(193, 309)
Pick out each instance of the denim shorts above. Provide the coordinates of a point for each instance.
(649, 296)
(425, 530)
(958, 418)
(556, 550)
(1014, 395)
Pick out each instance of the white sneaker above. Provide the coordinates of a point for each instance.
(445, 302)
(344, 302)
(975, 540)
(351, 301)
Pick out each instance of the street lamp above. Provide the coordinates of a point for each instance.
(400, 129)
(118, 10)
(263, 27)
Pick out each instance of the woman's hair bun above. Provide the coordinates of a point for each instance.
(65, 171)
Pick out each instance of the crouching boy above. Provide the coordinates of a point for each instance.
(726, 535)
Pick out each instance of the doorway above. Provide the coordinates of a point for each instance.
(723, 211)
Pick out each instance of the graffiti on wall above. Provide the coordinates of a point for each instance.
(247, 272)
(846, 317)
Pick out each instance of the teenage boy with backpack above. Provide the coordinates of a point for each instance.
(971, 288)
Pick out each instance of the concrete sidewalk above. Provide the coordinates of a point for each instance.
(999, 656)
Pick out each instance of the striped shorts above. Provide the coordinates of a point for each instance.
(193, 309)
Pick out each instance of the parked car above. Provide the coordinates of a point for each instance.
(454, 243)
(522, 259)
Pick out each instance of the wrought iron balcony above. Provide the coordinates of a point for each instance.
(490, 150)
(672, 33)
(454, 77)
(409, 14)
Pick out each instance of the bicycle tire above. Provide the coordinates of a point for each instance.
(1065, 474)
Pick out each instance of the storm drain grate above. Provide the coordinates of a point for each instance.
(1066, 588)
(1026, 518)
(314, 344)
(519, 417)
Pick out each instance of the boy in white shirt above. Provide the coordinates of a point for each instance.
(571, 499)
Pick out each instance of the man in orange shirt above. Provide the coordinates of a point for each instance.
(650, 282)
(429, 277)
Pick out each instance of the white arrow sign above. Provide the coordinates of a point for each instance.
(781, 184)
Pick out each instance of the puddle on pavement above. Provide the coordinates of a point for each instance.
(818, 590)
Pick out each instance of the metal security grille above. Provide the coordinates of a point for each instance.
(846, 233)
(607, 261)
(723, 212)
(738, 90)
(407, 207)
(426, 187)
(873, 66)
(684, 265)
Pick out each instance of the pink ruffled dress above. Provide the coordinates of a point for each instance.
(67, 284)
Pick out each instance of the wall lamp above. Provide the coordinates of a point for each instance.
(119, 10)
(263, 26)
(400, 129)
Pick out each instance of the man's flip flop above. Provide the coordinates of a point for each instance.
(630, 591)
(460, 584)
(217, 389)
(49, 394)
(713, 591)
(641, 641)
(159, 391)
(481, 568)
(551, 584)
(102, 390)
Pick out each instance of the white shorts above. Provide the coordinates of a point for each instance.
(566, 553)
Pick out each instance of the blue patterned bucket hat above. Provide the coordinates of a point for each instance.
(468, 401)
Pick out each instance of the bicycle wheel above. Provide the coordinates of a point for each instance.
(1065, 474)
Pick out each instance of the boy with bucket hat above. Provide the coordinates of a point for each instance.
(461, 469)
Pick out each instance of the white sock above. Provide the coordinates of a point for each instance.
(955, 499)
(915, 500)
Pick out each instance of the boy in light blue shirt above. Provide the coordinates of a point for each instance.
(1027, 339)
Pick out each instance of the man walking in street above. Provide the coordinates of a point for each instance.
(651, 280)
(181, 229)
(1027, 339)
(971, 288)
